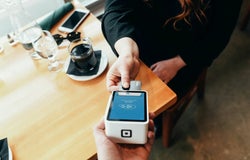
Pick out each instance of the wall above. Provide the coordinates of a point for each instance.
(36, 8)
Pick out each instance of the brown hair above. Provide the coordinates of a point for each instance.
(196, 7)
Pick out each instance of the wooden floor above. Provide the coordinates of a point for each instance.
(218, 127)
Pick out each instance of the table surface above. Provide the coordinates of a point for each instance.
(47, 115)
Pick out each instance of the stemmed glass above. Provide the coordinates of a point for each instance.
(26, 30)
(47, 48)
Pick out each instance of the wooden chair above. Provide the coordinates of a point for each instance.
(171, 116)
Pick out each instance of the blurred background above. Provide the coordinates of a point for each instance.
(38, 8)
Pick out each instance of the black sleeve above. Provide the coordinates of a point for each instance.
(203, 51)
(118, 20)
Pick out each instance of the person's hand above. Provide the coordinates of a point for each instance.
(126, 66)
(167, 69)
(123, 70)
(108, 150)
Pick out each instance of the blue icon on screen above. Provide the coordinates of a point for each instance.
(127, 106)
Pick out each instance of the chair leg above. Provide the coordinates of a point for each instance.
(167, 125)
(171, 116)
(201, 85)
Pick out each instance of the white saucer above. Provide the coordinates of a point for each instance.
(103, 65)
(10, 154)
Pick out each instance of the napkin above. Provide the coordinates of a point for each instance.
(72, 70)
(48, 22)
(4, 149)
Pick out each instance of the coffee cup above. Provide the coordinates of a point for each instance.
(83, 55)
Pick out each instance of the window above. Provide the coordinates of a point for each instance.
(95, 6)
(36, 8)
(88, 3)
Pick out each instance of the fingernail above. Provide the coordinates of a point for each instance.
(125, 86)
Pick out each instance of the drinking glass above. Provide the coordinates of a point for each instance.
(82, 54)
(26, 30)
(47, 48)
(27, 36)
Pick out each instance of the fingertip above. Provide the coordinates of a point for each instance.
(125, 83)
(125, 86)
(125, 80)
(151, 126)
(152, 115)
(151, 137)
(152, 67)
(101, 124)
(113, 88)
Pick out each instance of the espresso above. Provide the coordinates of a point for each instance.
(84, 57)
(82, 51)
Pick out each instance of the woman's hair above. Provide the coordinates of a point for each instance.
(196, 7)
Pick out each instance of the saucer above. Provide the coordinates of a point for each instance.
(10, 154)
(102, 67)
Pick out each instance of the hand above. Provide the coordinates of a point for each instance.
(108, 150)
(167, 69)
(123, 70)
(126, 66)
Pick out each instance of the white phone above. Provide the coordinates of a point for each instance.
(73, 21)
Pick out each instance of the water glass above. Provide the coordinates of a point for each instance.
(27, 36)
(47, 48)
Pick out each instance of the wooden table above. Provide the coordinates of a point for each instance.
(48, 116)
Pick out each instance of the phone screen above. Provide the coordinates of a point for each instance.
(128, 106)
(72, 21)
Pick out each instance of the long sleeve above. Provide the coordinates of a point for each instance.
(197, 45)
(117, 21)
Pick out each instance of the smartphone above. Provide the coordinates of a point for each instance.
(73, 21)
(126, 119)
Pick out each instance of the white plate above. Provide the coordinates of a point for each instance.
(10, 154)
(103, 65)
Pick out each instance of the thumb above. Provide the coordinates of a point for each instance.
(125, 79)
